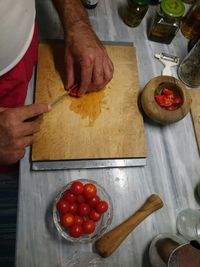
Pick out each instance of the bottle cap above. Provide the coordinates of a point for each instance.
(140, 2)
(173, 8)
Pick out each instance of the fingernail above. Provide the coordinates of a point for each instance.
(49, 107)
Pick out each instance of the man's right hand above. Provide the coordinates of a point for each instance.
(17, 130)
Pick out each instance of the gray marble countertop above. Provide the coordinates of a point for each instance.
(172, 170)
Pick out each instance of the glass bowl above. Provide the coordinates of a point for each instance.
(101, 225)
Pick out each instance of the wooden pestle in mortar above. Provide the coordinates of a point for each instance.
(110, 241)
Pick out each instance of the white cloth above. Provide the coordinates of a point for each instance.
(17, 19)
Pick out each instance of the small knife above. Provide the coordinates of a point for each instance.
(69, 92)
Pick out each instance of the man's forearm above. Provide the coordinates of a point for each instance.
(71, 13)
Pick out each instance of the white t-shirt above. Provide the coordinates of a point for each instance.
(17, 19)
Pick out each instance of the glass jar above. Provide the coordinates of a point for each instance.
(135, 12)
(90, 4)
(166, 21)
(189, 69)
(190, 24)
(188, 224)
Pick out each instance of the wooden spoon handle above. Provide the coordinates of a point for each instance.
(109, 242)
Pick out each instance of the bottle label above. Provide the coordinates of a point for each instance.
(90, 2)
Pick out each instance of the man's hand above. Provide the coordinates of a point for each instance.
(85, 54)
(16, 132)
(87, 62)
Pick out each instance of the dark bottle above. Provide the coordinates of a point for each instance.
(90, 4)
(135, 12)
(166, 21)
(155, 2)
(190, 25)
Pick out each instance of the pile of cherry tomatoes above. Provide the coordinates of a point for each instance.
(80, 208)
(168, 99)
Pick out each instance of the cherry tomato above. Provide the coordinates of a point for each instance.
(80, 199)
(76, 230)
(89, 227)
(74, 92)
(73, 207)
(67, 220)
(93, 201)
(77, 188)
(102, 206)
(164, 101)
(89, 190)
(62, 206)
(167, 92)
(71, 198)
(95, 216)
(84, 209)
(177, 100)
(78, 219)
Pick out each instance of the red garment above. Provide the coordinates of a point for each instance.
(14, 84)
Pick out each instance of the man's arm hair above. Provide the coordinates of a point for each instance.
(71, 13)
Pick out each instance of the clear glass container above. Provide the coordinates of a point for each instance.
(166, 22)
(191, 22)
(188, 224)
(135, 11)
(189, 69)
(101, 226)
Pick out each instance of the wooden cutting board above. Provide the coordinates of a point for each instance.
(101, 125)
(195, 112)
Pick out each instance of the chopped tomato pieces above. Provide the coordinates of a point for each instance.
(168, 99)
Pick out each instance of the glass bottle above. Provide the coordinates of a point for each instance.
(135, 12)
(90, 4)
(155, 2)
(189, 69)
(190, 24)
(166, 21)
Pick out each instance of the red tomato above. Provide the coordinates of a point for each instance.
(84, 209)
(76, 230)
(67, 220)
(71, 198)
(89, 227)
(80, 199)
(77, 188)
(164, 101)
(167, 92)
(102, 206)
(95, 216)
(73, 207)
(74, 92)
(89, 190)
(177, 100)
(78, 219)
(62, 206)
(93, 201)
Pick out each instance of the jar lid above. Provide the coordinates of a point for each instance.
(140, 2)
(173, 8)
